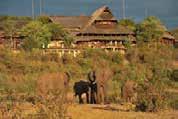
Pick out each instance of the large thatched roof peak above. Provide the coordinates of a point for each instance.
(101, 10)
(99, 15)
(87, 24)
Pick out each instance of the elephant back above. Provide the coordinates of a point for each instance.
(81, 87)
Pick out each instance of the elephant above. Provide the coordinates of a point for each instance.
(93, 87)
(98, 80)
(93, 93)
(80, 88)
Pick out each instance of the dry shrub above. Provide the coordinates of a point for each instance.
(53, 89)
(50, 82)
(53, 106)
(151, 97)
(129, 91)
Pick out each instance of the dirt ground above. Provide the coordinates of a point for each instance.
(114, 112)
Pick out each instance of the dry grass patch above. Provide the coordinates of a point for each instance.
(114, 112)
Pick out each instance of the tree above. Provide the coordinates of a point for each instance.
(128, 23)
(37, 35)
(149, 29)
(58, 32)
(44, 19)
(10, 29)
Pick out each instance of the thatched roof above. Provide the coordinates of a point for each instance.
(16, 35)
(116, 30)
(96, 15)
(81, 21)
(168, 35)
(79, 25)
(175, 33)
(84, 24)
(70, 21)
(18, 24)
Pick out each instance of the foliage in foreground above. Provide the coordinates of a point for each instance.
(153, 67)
(148, 63)
(19, 72)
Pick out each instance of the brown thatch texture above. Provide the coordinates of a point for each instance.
(85, 24)
(175, 34)
(70, 21)
(168, 35)
(117, 30)
(96, 15)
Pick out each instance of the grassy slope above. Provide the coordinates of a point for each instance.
(98, 112)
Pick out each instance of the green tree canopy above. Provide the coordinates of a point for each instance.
(58, 32)
(128, 23)
(10, 28)
(44, 19)
(37, 35)
(150, 63)
(150, 29)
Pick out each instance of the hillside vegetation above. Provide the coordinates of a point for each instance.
(21, 71)
(148, 65)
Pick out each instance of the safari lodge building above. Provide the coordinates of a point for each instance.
(98, 31)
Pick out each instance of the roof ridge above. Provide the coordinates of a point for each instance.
(96, 14)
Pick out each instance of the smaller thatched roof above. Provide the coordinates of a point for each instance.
(168, 35)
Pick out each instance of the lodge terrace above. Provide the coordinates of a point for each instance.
(98, 31)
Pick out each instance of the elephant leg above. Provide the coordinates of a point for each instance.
(91, 98)
(102, 95)
(80, 99)
(87, 96)
(98, 94)
(94, 98)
